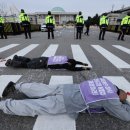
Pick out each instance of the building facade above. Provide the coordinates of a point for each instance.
(61, 17)
(115, 17)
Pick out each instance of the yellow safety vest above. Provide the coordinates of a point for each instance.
(79, 19)
(50, 20)
(103, 20)
(2, 20)
(23, 18)
(125, 20)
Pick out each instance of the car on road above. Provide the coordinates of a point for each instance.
(43, 28)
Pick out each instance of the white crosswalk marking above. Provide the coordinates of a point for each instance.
(5, 79)
(120, 82)
(56, 122)
(24, 51)
(8, 47)
(50, 51)
(79, 55)
(122, 48)
(116, 61)
(20, 53)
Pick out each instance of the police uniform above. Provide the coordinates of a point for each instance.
(103, 25)
(50, 23)
(25, 23)
(2, 32)
(79, 25)
(124, 25)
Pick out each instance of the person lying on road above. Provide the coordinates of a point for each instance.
(97, 95)
(53, 62)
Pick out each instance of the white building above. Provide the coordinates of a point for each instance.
(59, 14)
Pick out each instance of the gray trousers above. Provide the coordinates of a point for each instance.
(42, 99)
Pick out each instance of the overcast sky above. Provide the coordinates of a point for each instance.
(88, 7)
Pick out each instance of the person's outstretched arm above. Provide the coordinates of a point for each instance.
(81, 63)
(117, 109)
(74, 62)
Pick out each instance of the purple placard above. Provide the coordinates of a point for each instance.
(53, 60)
(97, 90)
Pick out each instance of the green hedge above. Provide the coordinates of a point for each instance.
(15, 28)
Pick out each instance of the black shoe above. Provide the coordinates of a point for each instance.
(8, 62)
(122, 40)
(9, 88)
(89, 68)
(85, 64)
(86, 68)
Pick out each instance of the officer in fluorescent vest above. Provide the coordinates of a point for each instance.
(25, 23)
(50, 24)
(79, 25)
(2, 31)
(125, 24)
(103, 26)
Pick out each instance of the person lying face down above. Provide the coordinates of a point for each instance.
(97, 95)
(53, 62)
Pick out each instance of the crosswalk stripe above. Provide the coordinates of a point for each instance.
(61, 80)
(22, 52)
(5, 79)
(79, 55)
(8, 47)
(124, 49)
(116, 61)
(120, 82)
(56, 122)
(50, 51)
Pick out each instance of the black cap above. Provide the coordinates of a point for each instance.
(80, 13)
(22, 10)
(49, 12)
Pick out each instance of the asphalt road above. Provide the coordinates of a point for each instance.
(101, 66)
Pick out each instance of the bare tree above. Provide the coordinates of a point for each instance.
(123, 6)
(112, 7)
(3, 9)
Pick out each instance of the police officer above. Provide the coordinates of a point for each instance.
(50, 24)
(25, 23)
(125, 23)
(103, 23)
(79, 25)
(2, 32)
